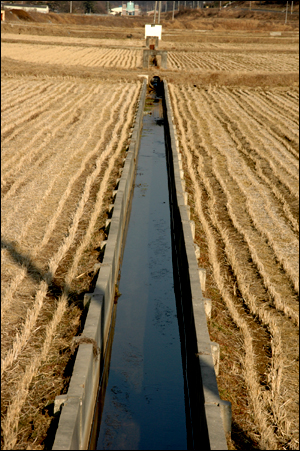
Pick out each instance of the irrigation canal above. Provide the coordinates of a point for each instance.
(158, 387)
(141, 402)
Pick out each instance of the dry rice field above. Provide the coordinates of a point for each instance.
(214, 61)
(93, 56)
(68, 100)
(240, 151)
(74, 56)
(61, 140)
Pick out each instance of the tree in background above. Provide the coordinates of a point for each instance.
(89, 7)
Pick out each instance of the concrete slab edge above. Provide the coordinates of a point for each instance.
(214, 412)
(77, 406)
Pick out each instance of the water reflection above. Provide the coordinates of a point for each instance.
(144, 406)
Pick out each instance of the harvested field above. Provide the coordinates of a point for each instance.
(240, 151)
(73, 56)
(68, 41)
(61, 142)
(69, 93)
(256, 61)
(227, 62)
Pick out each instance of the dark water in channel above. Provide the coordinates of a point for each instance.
(144, 405)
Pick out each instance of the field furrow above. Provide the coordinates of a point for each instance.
(43, 224)
(234, 124)
(253, 135)
(11, 434)
(276, 282)
(232, 62)
(104, 57)
(88, 57)
(70, 56)
(262, 210)
(269, 260)
(278, 124)
(12, 87)
(11, 107)
(54, 195)
(67, 195)
(212, 161)
(25, 153)
(173, 61)
(282, 104)
(119, 58)
(21, 339)
(10, 425)
(281, 148)
(237, 124)
(9, 130)
(33, 160)
(107, 59)
(292, 95)
(55, 261)
(221, 275)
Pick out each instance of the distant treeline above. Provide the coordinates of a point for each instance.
(101, 7)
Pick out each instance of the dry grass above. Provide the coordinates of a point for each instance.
(68, 56)
(245, 228)
(232, 62)
(64, 187)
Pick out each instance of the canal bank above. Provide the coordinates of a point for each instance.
(201, 409)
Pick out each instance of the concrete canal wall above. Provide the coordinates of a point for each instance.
(77, 406)
(207, 411)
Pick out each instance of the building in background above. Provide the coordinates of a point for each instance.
(129, 9)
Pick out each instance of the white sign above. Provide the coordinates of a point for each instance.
(153, 30)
